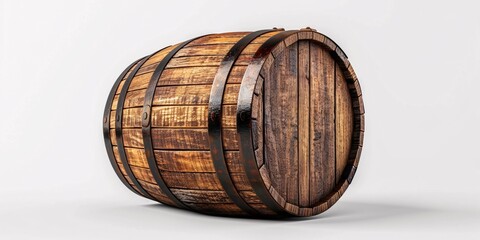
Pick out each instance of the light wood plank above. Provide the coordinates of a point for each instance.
(304, 123)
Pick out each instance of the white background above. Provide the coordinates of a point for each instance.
(418, 63)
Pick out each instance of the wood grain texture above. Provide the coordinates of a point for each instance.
(304, 123)
(194, 139)
(154, 190)
(322, 124)
(194, 116)
(320, 165)
(307, 124)
(281, 123)
(201, 196)
(199, 181)
(184, 161)
(214, 49)
(222, 209)
(343, 121)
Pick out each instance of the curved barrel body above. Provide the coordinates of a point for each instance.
(262, 124)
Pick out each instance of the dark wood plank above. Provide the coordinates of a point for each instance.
(263, 209)
(241, 181)
(322, 125)
(155, 191)
(280, 123)
(201, 196)
(343, 122)
(224, 209)
(250, 196)
(258, 127)
(199, 181)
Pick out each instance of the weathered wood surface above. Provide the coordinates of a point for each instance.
(343, 122)
(307, 125)
(322, 123)
(304, 116)
(281, 123)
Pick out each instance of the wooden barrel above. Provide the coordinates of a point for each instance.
(262, 124)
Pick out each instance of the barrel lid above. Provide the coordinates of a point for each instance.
(306, 122)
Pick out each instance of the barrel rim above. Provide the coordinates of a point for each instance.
(244, 121)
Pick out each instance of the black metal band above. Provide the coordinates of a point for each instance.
(106, 128)
(215, 120)
(147, 127)
(244, 121)
(118, 129)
